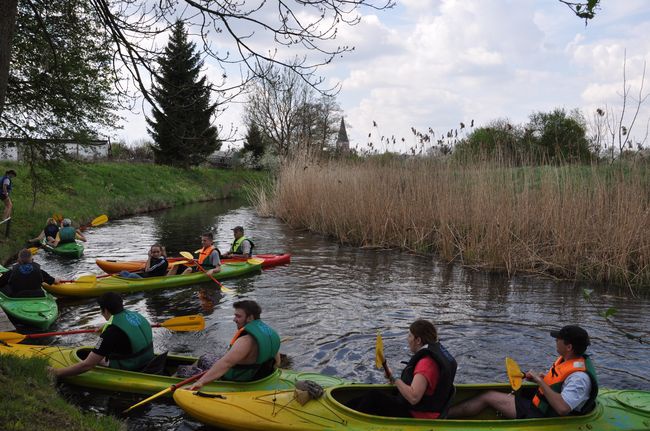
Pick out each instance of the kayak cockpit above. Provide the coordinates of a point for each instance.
(164, 366)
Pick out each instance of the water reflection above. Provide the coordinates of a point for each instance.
(331, 300)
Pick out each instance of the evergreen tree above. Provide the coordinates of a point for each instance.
(255, 141)
(181, 125)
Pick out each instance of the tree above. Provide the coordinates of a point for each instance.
(181, 125)
(559, 137)
(584, 9)
(255, 142)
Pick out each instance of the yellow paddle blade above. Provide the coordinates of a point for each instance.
(146, 400)
(57, 218)
(178, 262)
(514, 373)
(86, 278)
(11, 337)
(255, 261)
(33, 250)
(187, 255)
(99, 220)
(195, 322)
(379, 351)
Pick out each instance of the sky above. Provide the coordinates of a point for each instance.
(432, 64)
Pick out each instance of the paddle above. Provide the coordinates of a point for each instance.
(380, 360)
(86, 278)
(172, 388)
(33, 250)
(514, 373)
(190, 257)
(194, 322)
(96, 222)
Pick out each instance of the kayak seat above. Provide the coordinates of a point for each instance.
(157, 365)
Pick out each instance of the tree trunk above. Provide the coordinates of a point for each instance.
(8, 11)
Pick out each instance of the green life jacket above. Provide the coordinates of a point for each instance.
(136, 327)
(236, 247)
(67, 234)
(268, 345)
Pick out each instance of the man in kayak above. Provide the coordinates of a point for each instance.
(253, 352)
(241, 246)
(5, 190)
(426, 384)
(570, 386)
(67, 233)
(126, 340)
(208, 258)
(25, 278)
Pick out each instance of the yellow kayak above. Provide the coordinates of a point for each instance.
(280, 410)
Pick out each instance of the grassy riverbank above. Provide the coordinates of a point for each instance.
(84, 191)
(30, 402)
(570, 222)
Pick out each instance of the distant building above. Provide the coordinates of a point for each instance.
(342, 142)
(90, 150)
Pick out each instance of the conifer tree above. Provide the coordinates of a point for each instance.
(255, 141)
(181, 125)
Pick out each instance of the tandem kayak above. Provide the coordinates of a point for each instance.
(115, 266)
(134, 382)
(38, 312)
(279, 410)
(69, 249)
(118, 284)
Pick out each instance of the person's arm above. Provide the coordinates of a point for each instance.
(79, 235)
(554, 399)
(234, 356)
(216, 263)
(5, 183)
(48, 279)
(39, 238)
(87, 364)
(246, 249)
(412, 393)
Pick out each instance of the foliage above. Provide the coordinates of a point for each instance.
(498, 140)
(141, 153)
(61, 77)
(557, 137)
(181, 124)
(255, 142)
(586, 9)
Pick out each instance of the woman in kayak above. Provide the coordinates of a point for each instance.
(48, 233)
(25, 278)
(156, 265)
(425, 386)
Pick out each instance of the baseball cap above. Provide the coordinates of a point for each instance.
(574, 335)
(238, 228)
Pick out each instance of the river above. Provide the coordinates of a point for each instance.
(331, 300)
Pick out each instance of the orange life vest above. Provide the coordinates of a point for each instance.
(205, 252)
(558, 373)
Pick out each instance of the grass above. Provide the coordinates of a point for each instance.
(83, 191)
(30, 401)
(570, 222)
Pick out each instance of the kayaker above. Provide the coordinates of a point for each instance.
(156, 265)
(253, 352)
(5, 190)
(67, 233)
(25, 278)
(425, 385)
(126, 340)
(241, 246)
(48, 233)
(208, 258)
(569, 387)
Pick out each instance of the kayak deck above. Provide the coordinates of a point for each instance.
(39, 312)
(69, 249)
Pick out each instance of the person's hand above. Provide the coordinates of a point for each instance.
(534, 376)
(388, 373)
(196, 386)
(57, 280)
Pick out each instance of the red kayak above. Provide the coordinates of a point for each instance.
(114, 266)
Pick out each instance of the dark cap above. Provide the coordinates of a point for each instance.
(238, 228)
(574, 335)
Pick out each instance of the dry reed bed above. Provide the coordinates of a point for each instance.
(570, 222)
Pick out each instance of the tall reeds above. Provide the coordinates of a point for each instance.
(571, 222)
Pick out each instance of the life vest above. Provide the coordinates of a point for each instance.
(67, 234)
(25, 278)
(447, 364)
(268, 345)
(205, 253)
(556, 376)
(2, 181)
(136, 327)
(51, 230)
(236, 247)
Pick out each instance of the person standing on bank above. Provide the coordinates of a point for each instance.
(569, 387)
(25, 278)
(241, 246)
(67, 233)
(5, 191)
(126, 340)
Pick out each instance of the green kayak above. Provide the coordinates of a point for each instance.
(69, 249)
(115, 283)
(37, 312)
(280, 410)
(112, 379)
(3, 269)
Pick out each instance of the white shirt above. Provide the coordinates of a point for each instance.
(576, 389)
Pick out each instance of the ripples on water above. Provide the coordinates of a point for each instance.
(331, 300)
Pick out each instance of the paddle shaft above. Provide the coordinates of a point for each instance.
(99, 276)
(172, 388)
(75, 331)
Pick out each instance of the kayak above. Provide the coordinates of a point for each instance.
(118, 284)
(273, 410)
(37, 312)
(112, 379)
(3, 269)
(115, 266)
(68, 249)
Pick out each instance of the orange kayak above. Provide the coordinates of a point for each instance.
(115, 266)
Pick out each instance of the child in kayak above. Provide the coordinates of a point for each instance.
(156, 265)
